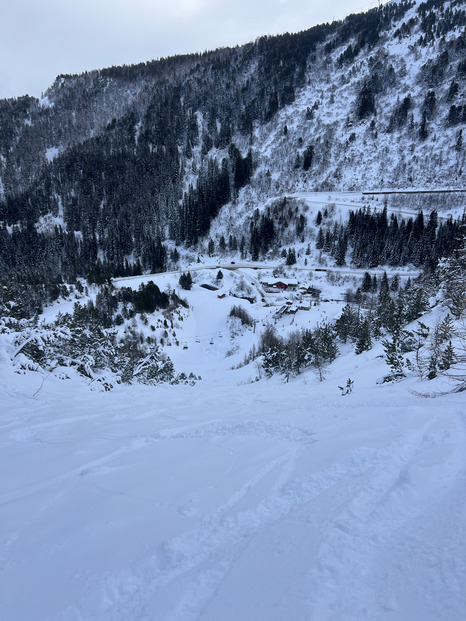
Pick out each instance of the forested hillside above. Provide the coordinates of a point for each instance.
(113, 172)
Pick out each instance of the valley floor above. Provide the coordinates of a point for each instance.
(232, 500)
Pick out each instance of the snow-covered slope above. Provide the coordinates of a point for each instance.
(232, 498)
(352, 153)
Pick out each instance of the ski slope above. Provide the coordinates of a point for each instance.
(232, 499)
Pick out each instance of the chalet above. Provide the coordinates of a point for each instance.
(279, 285)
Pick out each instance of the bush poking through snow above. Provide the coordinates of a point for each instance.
(242, 315)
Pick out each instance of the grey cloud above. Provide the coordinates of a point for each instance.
(41, 39)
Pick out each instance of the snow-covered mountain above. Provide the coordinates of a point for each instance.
(118, 158)
(232, 373)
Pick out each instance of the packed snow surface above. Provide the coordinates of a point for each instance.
(232, 499)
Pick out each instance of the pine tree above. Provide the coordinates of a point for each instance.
(423, 133)
(366, 286)
(320, 347)
(420, 335)
(348, 324)
(320, 241)
(308, 157)
(385, 305)
(291, 256)
(273, 358)
(186, 281)
(459, 141)
(394, 357)
(222, 245)
(366, 103)
(340, 254)
(448, 357)
(364, 341)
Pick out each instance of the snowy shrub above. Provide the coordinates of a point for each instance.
(241, 314)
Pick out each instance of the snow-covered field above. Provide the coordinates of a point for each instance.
(232, 500)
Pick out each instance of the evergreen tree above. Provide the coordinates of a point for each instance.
(291, 256)
(348, 324)
(364, 341)
(320, 347)
(340, 254)
(320, 241)
(222, 245)
(459, 141)
(394, 356)
(273, 358)
(385, 305)
(448, 357)
(186, 281)
(366, 286)
(365, 105)
(308, 157)
(453, 277)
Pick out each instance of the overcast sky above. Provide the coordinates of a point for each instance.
(40, 39)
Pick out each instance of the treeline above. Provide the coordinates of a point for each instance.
(111, 306)
(201, 204)
(109, 209)
(376, 239)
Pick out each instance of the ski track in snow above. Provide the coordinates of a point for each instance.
(396, 484)
(219, 539)
(405, 483)
(270, 501)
